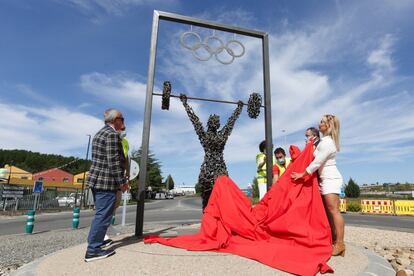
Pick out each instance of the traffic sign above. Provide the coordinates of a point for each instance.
(11, 191)
(38, 186)
(133, 170)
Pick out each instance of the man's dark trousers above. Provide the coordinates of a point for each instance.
(104, 204)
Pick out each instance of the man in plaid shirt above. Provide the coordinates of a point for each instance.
(106, 177)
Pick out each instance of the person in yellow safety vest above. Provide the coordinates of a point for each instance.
(125, 148)
(282, 162)
(261, 169)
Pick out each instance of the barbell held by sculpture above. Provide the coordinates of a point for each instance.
(253, 106)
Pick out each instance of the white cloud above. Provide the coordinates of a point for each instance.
(126, 90)
(57, 130)
(380, 59)
(111, 7)
(120, 89)
(97, 10)
(169, 129)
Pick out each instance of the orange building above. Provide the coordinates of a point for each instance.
(54, 175)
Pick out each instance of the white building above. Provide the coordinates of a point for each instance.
(184, 190)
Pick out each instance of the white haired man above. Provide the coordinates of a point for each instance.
(106, 177)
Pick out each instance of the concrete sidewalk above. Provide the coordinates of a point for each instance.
(133, 257)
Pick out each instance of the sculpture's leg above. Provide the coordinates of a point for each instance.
(205, 196)
(206, 184)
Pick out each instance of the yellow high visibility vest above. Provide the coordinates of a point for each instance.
(282, 169)
(125, 147)
(261, 174)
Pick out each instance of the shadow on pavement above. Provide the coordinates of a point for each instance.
(133, 239)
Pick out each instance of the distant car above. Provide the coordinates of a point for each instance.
(67, 201)
(50, 203)
(169, 196)
(159, 196)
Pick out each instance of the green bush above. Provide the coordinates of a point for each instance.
(352, 189)
(353, 207)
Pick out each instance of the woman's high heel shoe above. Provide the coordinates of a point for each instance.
(338, 249)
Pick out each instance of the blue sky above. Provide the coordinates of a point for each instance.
(63, 62)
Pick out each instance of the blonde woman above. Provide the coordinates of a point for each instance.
(330, 178)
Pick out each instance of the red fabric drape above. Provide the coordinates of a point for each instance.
(287, 229)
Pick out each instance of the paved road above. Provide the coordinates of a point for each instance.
(177, 211)
(397, 223)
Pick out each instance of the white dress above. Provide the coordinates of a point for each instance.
(325, 163)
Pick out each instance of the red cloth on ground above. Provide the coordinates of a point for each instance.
(287, 229)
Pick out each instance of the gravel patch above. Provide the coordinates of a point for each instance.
(370, 237)
(17, 250)
(396, 247)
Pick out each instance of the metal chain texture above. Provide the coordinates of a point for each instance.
(254, 104)
(213, 142)
(166, 95)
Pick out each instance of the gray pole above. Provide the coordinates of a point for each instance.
(124, 208)
(84, 174)
(268, 111)
(35, 201)
(139, 223)
(8, 182)
(284, 136)
(10, 172)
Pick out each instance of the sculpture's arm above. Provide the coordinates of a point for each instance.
(227, 129)
(198, 126)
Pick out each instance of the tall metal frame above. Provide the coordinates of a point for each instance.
(159, 15)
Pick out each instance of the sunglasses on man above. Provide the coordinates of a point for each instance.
(120, 118)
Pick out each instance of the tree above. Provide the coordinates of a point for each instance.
(154, 178)
(352, 189)
(255, 188)
(34, 162)
(169, 182)
(198, 188)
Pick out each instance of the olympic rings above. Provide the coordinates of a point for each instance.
(218, 51)
(238, 43)
(188, 34)
(196, 54)
(230, 52)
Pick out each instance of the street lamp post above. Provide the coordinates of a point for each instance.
(84, 172)
(284, 134)
(10, 172)
(8, 182)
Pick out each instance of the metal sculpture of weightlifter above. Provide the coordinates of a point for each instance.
(213, 142)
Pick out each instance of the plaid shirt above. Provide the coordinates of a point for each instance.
(108, 163)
